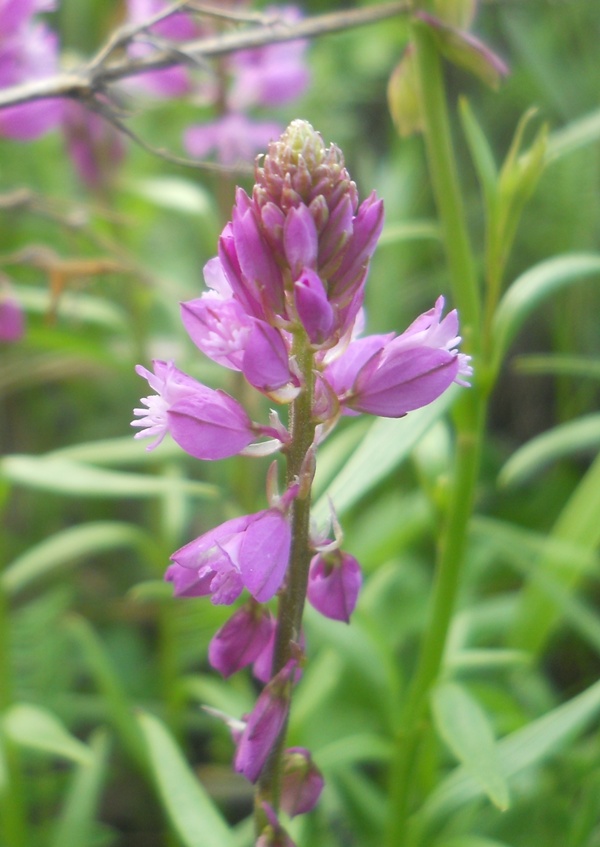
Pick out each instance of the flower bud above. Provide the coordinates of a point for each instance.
(241, 639)
(302, 782)
(334, 581)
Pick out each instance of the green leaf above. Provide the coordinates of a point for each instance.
(75, 824)
(403, 96)
(190, 809)
(528, 746)
(176, 194)
(120, 709)
(77, 479)
(577, 524)
(393, 233)
(118, 451)
(464, 727)
(531, 289)
(466, 51)
(82, 308)
(65, 547)
(3, 764)
(576, 134)
(470, 841)
(481, 154)
(485, 660)
(353, 749)
(388, 442)
(564, 440)
(579, 367)
(39, 729)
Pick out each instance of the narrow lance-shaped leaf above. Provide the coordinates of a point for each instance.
(120, 709)
(557, 443)
(387, 443)
(463, 725)
(191, 811)
(74, 826)
(528, 746)
(77, 479)
(578, 523)
(39, 729)
(531, 289)
(65, 547)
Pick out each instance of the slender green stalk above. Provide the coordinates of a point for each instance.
(470, 419)
(444, 176)
(291, 602)
(13, 829)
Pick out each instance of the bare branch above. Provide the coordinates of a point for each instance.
(85, 83)
(110, 115)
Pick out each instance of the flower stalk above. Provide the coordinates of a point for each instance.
(284, 308)
(469, 413)
(293, 597)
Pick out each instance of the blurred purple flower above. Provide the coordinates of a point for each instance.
(251, 551)
(270, 75)
(267, 76)
(234, 138)
(28, 52)
(12, 321)
(170, 82)
(96, 148)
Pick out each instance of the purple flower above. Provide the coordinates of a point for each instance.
(251, 551)
(309, 215)
(270, 75)
(314, 309)
(264, 723)
(241, 640)
(352, 270)
(216, 321)
(334, 581)
(390, 377)
(96, 148)
(300, 239)
(12, 322)
(302, 782)
(266, 362)
(233, 137)
(207, 424)
(28, 52)
(170, 82)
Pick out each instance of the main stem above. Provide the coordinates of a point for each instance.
(469, 417)
(291, 601)
(13, 828)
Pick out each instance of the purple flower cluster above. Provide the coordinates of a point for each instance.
(283, 307)
(28, 52)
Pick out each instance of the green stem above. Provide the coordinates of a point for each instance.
(446, 186)
(291, 601)
(470, 418)
(13, 828)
